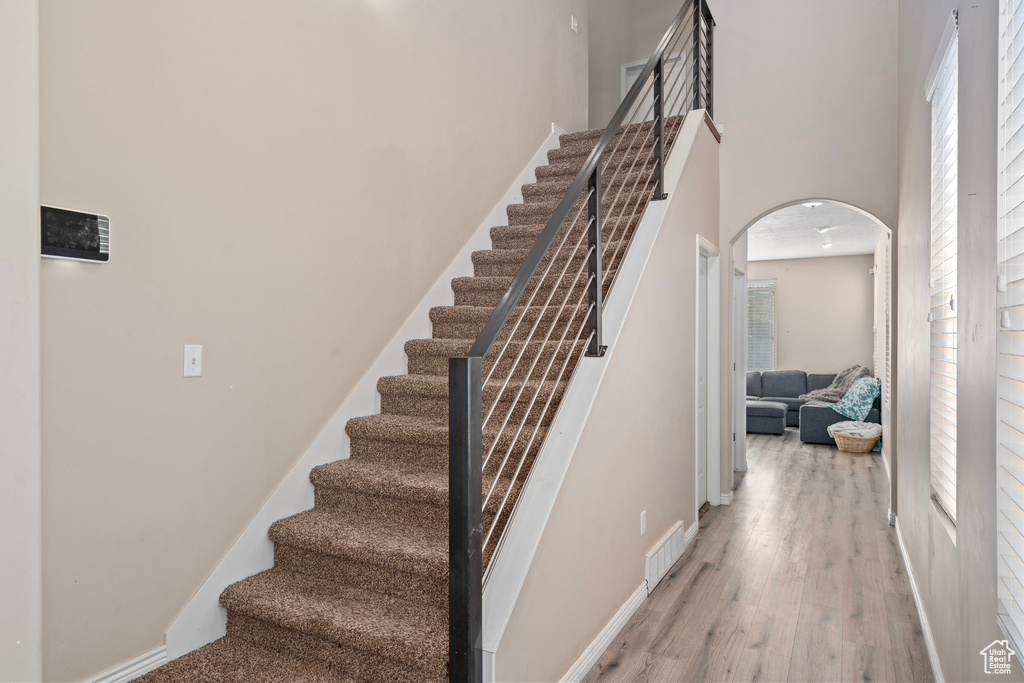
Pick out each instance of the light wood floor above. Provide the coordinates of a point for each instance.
(799, 579)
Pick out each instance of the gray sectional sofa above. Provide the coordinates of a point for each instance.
(784, 387)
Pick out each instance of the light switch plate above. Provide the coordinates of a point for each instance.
(193, 360)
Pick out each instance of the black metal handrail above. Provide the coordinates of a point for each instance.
(465, 374)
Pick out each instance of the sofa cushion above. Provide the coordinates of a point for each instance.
(753, 384)
(790, 402)
(790, 383)
(765, 409)
(815, 420)
(818, 381)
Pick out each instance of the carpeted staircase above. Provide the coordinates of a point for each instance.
(359, 587)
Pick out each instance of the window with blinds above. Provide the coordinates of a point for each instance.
(1010, 342)
(761, 325)
(942, 92)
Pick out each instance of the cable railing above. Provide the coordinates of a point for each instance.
(504, 393)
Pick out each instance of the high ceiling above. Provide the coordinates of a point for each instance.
(803, 232)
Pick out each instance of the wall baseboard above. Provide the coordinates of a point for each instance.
(725, 498)
(203, 620)
(589, 658)
(926, 629)
(666, 551)
(133, 668)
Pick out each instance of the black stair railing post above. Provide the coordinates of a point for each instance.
(594, 347)
(695, 74)
(710, 62)
(465, 524)
(659, 129)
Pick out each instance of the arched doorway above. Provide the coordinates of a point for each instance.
(834, 232)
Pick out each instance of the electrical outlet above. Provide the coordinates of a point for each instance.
(574, 25)
(643, 522)
(193, 360)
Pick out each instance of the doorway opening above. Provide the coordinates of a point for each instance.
(811, 299)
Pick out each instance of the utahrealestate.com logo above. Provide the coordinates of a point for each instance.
(997, 657)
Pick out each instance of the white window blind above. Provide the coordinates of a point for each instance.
(761, 325)
(943, 284)
(1010, 298)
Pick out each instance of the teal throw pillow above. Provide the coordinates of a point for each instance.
(858, 400)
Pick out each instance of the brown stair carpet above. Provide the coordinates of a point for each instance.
(359, 587)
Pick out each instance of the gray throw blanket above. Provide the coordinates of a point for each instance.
(834, 392)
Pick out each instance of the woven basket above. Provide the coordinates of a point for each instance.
(854, 444)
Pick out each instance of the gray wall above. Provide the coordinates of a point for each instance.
(957, 579)
(20, 523)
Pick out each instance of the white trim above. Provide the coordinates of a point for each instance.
(947, 39)
(725, 498)
(490, 666)
(557, 129)
(929, 641)
(666, 552)
(133, 668)
(508, 570)
(203, 620)
(589, 658)
(713, 408)
(739, 371)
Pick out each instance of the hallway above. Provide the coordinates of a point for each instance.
(799, 579)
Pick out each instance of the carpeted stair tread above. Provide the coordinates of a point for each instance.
(555, 188)
(413, 634)
(572, 166)
(486, 257)
(400, 428)
(415, 430)
(232, 660)
(434, 386)
(385, 543)
(409, 480)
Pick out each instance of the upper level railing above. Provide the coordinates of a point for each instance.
(550, 316)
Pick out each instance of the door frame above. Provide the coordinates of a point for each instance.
(739, 369)
(713, 467)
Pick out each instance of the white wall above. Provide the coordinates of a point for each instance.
(957, 579)
(824, 311)
(285, 182)
(20, 523)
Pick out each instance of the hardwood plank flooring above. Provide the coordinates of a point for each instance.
(800, 579)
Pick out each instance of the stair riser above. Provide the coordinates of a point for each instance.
(418, 588)
(570, 169)
(428, 454)
(438, 365)
(633, 139)
(437, 407)
(471, 328)
(350, 663)
(509, 268)
(409, 509)
(541, 213)
(524, 237)
(553, 191)
(572, 297)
